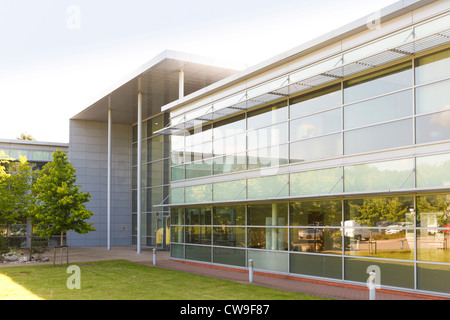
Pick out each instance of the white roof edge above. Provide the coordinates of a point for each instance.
(32, 142)
(390, 12)
(166, 54)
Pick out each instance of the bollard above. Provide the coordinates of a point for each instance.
(250, 270)
(372, 292)
(154, 257)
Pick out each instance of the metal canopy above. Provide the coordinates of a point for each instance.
(159, 80)
(387, 50)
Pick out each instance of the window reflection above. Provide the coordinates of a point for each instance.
(316, 148)
(268, 115)
(433, 245)
(433, 211)
(316, 101)
(379, 82)
(433, 127)
(433, 97)
(316, 240)
(268, 238)
(319, 124)
(433, 67)
(229, 236)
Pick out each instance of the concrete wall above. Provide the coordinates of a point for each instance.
(88, 149)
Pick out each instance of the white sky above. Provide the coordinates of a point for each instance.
(54, 62)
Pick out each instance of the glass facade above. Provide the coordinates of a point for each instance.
(336, 221)
(155, 179)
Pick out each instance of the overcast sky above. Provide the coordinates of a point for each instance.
(57, 56)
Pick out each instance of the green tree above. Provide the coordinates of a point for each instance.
(59, 203)
(16, 198)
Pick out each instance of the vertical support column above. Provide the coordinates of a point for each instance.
(274, 223)
(108, 196)
(139, 168)
(181, 84)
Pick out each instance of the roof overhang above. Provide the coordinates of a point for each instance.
(159, 81)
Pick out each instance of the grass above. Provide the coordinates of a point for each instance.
(125, 280)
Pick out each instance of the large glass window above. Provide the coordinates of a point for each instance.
(378, 212)
(433, 171)
(268, 157)
(230, 190)
(379, 137)
(316, 182)
(433, 67)
(316, 213)
(198, 216)
(230, 163)
(268, 238)
(388, 175)
(199, 193)
(381, 109)
(316, 101)
(271, 214)
(230, 145)
(433, 211)
(268, 115)
(229, 215)
(315, 125)
(229, 127)
(433, 127)
(433, 97)
(376, 83)
(316, 240)
(198, 169)
(316, 148)
(268, 136)
(268, 187)
(229, 236)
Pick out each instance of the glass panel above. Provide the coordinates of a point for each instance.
(229, 236)
(177, 251)
(155, 124)
(199, 135)
(433, 245)
(432, 26)
(198, 235)
(379, 137)
(198, 169)
(389, 175)
(177, 216)
(382, 109)
(433, 97)
(316, 101)
(272, 214)
(397, 274)
(268, 187)
(316, 125)
(229, 215)
(317, 266)
(198, 152)
(316, 182)
(229, 127)
(317, 148)
(269, 136)
(42, 155)
(268, 157)
(316, 240)
(230, 256)
(377, 83)
(433, 171)
(378, 46)
(273, 261)
(229, 191)
(433, 127)
(316, 213)
(177, 141)
(230, 145)
(394, 242)
(433, 277)
(177, 158)
(266, 116)
(230, 163)
(268, 238)
(200, 193)
(177, 196)
(176, 234)
(433, 211)
(177, 173)
(198, 253)
(433, 67)
(377, 212)
(198, 216)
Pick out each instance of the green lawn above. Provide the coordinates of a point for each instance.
(120, 279)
